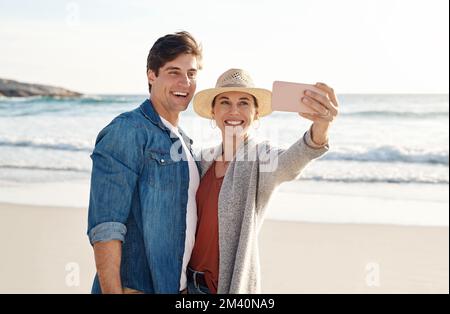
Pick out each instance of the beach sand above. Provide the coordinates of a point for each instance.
(345, 258)
(46, 250)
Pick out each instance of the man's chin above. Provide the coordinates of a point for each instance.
(181, 106)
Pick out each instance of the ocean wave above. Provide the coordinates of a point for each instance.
(81, 106)
(385, 154)
(317, 178)
(111, 100)
(376, 180)
(391, 154)
(44, 145)
(33, 112)
(396, 114)
(86, 99)
(35, 99)
(66, 169)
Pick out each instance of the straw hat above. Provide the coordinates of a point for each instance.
(233, 80)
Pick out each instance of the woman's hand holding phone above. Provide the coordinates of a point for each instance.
(317, 103)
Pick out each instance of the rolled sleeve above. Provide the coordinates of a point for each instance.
(108, 231)
(117, 159)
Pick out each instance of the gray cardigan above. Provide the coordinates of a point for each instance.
(249, 182)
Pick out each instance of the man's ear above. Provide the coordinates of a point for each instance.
(151, 76)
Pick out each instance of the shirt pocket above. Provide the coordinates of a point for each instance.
(162, 170)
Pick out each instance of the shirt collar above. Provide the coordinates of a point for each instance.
(148, 110)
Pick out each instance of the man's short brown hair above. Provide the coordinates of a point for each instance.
(169, 47)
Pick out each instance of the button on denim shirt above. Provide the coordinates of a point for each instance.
(139, 196)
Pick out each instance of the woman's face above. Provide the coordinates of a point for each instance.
(234, 113)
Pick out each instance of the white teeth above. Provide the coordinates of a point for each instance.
(234, 122)
(180, 94)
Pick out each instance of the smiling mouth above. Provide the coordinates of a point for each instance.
(180, 94)
(233, 122)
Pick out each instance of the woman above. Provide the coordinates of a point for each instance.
(238, 178)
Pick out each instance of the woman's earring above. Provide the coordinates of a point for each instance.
(213, 123)
(256, 124)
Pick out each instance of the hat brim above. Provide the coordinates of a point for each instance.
(203, 99)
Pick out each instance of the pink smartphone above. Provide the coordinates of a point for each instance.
(287, 96)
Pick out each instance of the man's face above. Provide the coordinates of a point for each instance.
(175, 85)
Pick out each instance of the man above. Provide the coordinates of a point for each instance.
(142, 211)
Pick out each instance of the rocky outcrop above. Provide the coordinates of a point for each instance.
(10, 88)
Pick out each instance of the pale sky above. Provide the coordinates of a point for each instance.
(356, 46)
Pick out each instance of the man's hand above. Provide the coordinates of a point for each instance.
(107, 260)
(327, 109)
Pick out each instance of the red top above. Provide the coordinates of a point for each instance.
(205, 255)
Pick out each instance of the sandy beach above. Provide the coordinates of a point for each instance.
(46, 251)
(369, 216)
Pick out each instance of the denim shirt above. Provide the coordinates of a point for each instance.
(139, 195)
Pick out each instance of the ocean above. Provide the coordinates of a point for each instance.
(388, 139)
